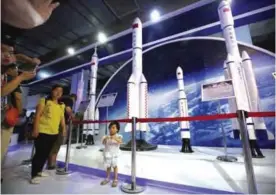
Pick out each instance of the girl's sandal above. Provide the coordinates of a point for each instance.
(114, 183)
(104, 182)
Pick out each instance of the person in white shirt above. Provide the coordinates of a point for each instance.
(111, 152)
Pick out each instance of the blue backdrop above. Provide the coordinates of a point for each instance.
(202, 62)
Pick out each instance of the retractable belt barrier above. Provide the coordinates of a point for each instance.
(176, 119)
(241, 116)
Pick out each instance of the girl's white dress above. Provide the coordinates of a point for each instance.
(111, 152)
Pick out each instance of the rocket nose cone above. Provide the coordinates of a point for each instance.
(223, 3)
(137, 24)
(137, 21)
(179, 72)
(245, 55)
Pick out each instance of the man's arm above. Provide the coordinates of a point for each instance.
(63, 126)
(69, 111)
(38, 113)
(26, 14)
(18, 101)
(27, 60)
(11, 86)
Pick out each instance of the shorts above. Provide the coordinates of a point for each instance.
(110, 161)
(57, 144)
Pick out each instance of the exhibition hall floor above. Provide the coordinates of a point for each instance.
(162, 171)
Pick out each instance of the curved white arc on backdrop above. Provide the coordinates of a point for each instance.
(155, 46)
(178, 40)
(164, 17)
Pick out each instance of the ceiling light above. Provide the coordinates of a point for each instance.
(155, 15)
(102, 37)
(43, 75)
(71, 51)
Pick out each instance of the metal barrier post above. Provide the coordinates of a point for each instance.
(29, 161)
(225, 157)
(65, 171)
(132, 188)
(78, 134)
(106, 127)
(252, 188)
(82, 135)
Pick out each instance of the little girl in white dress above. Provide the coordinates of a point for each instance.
(111, 152)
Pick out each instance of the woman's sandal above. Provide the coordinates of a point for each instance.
(104, 182)
(114, 183)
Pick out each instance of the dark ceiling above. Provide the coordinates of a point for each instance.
(76, 23)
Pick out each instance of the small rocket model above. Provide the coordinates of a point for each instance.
(232, 106)
(183, 111)
(137, 86)
(254, 100)
(234, 63)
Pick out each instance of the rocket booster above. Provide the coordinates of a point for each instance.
(254, 98)
(240, 92)
(183, 105)
(137, 86)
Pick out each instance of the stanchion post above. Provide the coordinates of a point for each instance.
(252, 188)
(133, 154)
(106, 127)
(78, 134)
(82, 135)
(225, 157)
(132, 188)
(29, 161)
(65, 170)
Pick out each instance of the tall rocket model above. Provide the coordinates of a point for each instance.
(137, 86)
(232, 106)
(261, 131)
(183, 110)
(235, 69)
(92, 113)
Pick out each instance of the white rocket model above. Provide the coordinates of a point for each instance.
(236, 72)
(137, 86)
(234, 62)
(92, 113)
(261, 131)
(232, 106)
(184, 112)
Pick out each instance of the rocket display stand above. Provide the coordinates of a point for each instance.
(141, 145)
